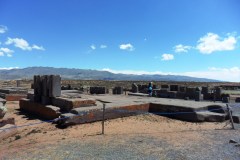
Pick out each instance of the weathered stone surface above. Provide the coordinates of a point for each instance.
(5, 121)
(180, 95)
(13, 90)
(43, 111)
(190, 92)
(7, 131)
(15, 97)
(66, 104)
(236, 118)
(225, 99)
(80, 115)
(138, 94)
(182, 89)
(232, 141)
(3, 101)
(165, 87)
(98, 90)
(174, 88)
(237, 100)
(205, 90)
(118, 90)
(198, 96)
(135, 88)
(3, 110)
(55, 86)
(46, 100)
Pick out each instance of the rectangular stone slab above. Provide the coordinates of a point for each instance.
(6, 121)
(4, 132)
(15, 97)
(92, 114)
(48, 112)
(67, 104)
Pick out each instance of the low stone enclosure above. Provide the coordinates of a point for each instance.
(184, 92)
(13, 93)
(71, 107)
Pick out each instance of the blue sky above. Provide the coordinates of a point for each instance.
(197, 38)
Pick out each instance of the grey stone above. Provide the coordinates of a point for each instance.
(232, 141)
(134, 88)
(98, 90)
(174, 88)
(3, 110)
(118, 90)
(55, 86)
(205, 90)
(225, 99)
(198, 96)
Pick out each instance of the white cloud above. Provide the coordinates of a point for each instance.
(224, 74)
(3, 29)
(23, 44)
(9, 68)
(181, 48)
(18, 42)
(167, 57)
(103, 46)
(6, 51)
(93, 47)
(212, 42)
(128, 47)
(38, 47)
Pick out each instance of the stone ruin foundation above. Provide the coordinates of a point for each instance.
(48, 102)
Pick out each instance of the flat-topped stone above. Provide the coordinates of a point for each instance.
(66, 104)
(44, 111)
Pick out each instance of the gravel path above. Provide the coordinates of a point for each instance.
(215, 145)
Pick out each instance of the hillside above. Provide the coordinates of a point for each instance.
(86, 74)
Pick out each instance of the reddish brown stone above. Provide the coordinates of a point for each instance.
(43, 111)
(14, 97)
(5, 121)
(67, 104)
(7, 131)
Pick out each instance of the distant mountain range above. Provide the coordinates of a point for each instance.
(87, 74)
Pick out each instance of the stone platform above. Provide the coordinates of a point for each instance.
(88, 108)
(13, 93)
(121, 106)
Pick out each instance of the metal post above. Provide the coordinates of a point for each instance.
(230, 116)
(103, 117)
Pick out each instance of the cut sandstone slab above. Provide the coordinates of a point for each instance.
(3, 101)
(92, 114)
(48, 112)
(3, 110)
(66, 104)
(7, 131)
(6, 121)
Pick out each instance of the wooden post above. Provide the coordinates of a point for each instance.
(103, 117)
(230, 116)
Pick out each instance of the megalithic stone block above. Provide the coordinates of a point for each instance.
(37, 85)
(135, 88)
(182, 89)
(205, 90)
(174, 88)
(45, 85)
(197, 96)
(118, 90)
(55, 86)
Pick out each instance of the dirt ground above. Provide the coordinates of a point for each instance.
(138, 137)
